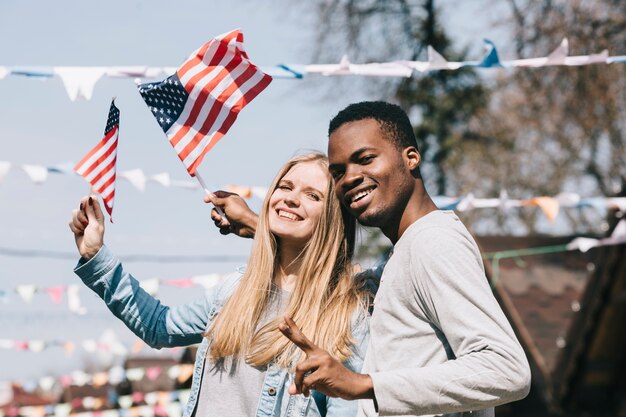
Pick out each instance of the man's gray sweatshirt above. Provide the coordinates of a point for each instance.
(439, 342)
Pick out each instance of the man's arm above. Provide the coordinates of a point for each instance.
(319, 371)
(489, 366)
(238, 218)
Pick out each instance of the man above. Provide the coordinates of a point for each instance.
(439, 342)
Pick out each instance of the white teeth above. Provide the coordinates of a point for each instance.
(360, 195)
(288, 215)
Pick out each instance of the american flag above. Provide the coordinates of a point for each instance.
(98, 166)
(199, 103)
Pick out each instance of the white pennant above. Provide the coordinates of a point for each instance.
(163, 179)
(125, 401)
(174, 409)
(5, 166)
(3, 72)
(126, 72)
(46, 383)
(36, 345)
(79, 81)
(135, 374)
(90, 345)
(259, 192)
(116, 375)
(7, 344)
(80, 378)
(73, 300)
(151, 286)
(37, 173)
(26, 292)
(62, 410)
(206, 281)
(136, 177)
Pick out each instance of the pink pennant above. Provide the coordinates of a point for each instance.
(65, 380)
(56, 293)
(160, 411)
(180, 283)
(21, 345)
(153, 373)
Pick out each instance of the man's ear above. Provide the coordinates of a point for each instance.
(412, 157)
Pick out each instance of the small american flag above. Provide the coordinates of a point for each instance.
(199, 103)
(98, 166)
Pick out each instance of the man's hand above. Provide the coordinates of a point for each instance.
(87, 224)
(319, 371)
(237, 219)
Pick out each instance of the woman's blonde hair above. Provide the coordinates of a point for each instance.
(323, 301)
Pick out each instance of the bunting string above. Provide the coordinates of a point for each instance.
(158, 403)
(549, 205)
(56, 293)
(38, 174)
(152, 285)
(582, 244)
(114, 376)
(79, 81)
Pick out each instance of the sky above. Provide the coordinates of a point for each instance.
(39, 125)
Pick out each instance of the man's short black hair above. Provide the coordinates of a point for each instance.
(393, 121)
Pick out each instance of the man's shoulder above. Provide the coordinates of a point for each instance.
(434, 227)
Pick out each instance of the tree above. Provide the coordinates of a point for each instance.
(530, 131)
(558, 129)
(440, 104)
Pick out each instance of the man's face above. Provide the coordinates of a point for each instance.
(370, 175)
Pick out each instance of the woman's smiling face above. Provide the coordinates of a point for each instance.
(297, 203)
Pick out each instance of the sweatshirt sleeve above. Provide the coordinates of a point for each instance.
(157, 325)
(488, 367)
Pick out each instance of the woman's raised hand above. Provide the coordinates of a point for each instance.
(87, 224)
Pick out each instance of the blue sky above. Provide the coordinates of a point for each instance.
(40, 125)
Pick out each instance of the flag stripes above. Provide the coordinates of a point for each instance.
(215, 83)
(98, 166)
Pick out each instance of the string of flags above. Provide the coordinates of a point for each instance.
(158, 403)
(114, 376)
(79, 81)
(152, 285)
(69, 346)
(39, 174)
(550, 205)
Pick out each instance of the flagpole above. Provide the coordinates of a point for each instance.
(209, 193)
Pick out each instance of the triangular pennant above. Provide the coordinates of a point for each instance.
(36, 173)
(79, 81)
(26, 292)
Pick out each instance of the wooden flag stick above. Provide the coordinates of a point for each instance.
(206, 190)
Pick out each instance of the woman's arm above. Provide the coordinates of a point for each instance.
(156, 324)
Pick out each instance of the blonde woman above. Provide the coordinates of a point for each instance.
(299, 266)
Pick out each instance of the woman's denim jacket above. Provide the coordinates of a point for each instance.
(161, 326)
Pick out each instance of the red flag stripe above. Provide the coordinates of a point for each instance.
(195, 92)
(225, 118)
(230, 120)
(105, 170)
(104, 189)
(206, 111)
(86, 172)
(202, 53)
(103, 143)
(216, 110)
(204, 92)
